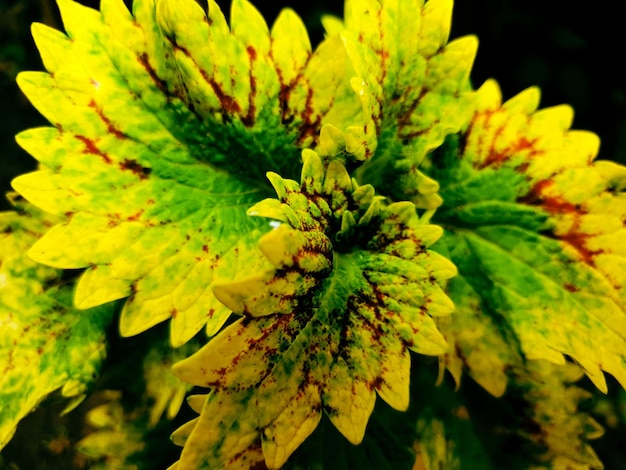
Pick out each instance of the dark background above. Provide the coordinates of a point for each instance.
(573, 50)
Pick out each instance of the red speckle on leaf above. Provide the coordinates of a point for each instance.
(136, 216)
(553, 204)
(90, 148)
(114, 219)
(251, 53)
(310, 127)
(205, 248)
(497, 158)
(228, 104)
(134, 167)
(283, 98)
(525, 144)
(174, 313)
(285, 93)
(579, 241)
(376, 384)
(150, 202)
(404, 119)
(260, 465)
(557, 205)
(145, 63)
(110, 126)
(257, 464)
(570, 287)
(248, 119)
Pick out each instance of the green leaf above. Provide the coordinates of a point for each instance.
(559, 432)
(117, 437)
(347, 288)
(447, 433)
(417, 85)
(46, 344)
(132, 420)
(541, 418)
(535, 228)
(164, 129)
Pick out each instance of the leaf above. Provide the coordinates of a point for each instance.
(534, 226)
(561, 431)
(539, 423)
(479, 344)
(348, 287)
(418, 87)
(132, 419)
(447, 429)
(117, 438)
(387, 444)
(165, 392)
(540, 417)
(163, 130)
(46, 344)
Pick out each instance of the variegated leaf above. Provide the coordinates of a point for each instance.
(165, 122)
(535, 226)
(347, 288)
(45, 343)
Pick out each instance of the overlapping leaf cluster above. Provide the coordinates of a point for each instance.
(165, 122)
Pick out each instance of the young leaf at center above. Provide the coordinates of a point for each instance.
(347, 287)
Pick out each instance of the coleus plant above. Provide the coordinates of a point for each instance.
(364, 261)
